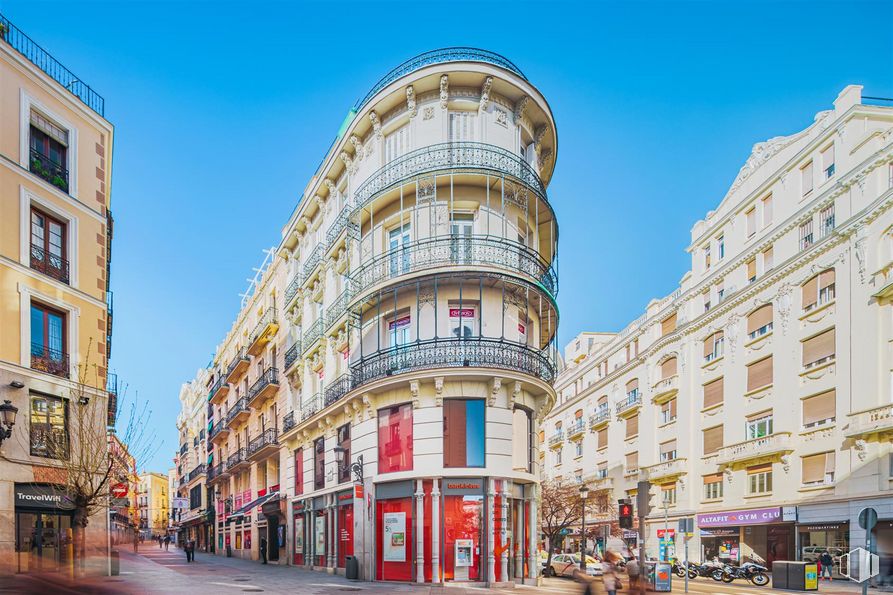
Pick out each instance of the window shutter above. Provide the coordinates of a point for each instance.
(713, 478)
(603, 437)
(825, 280)
(632, 385)
(49, 128)
(668, 325)
(828, 157)
(818, 347)
(670, 407)
(713, 439)
(632, 426)
(667, 447)
(759, 318)
(759, 469)
(710, 341)
(767, 259)
(751, 268)
(810, 292)
(751, 219)
(713, 393)
(814, 468)
(603, 466)
(668, 368)
(830, 462)
(578, 414)
(807, 177)
(632, 461)
(767, 210)
(603, 400)
(820, 407)
(759, 374)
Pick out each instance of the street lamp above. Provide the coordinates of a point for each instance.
(8, 413)
(584, 494)
(357, 468)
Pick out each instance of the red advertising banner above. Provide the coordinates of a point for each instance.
(399, 323)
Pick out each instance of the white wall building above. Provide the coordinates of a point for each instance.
(757, 397)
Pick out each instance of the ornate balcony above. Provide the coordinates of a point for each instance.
(556, 439)
(219, 432)
(665, 389)
(576, 430)
(264, 387)
(264, 445)
(50, 361)
(236, 460)
(238, 413)
(292, 355)
(338, 309)
(313, 261)
(630, 404)
(454, 353)
(600, 418)
(601, 482)
(511, 257)
(338, 226)
(337, 389)
(44, 167)
(666, 470)
(875, 423)
(440, 56)
(217, 394)
(49, 264)
(288, 423)
(198, 471)
(238, 366)
(311, 407)
(766, 448)
(263, 331)
(312, 334)
(293, 291)
(217, 472)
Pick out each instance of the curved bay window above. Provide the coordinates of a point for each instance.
(478, 321)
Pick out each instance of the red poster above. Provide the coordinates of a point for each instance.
(227, 539)
(461, 312)
(260, 493)
(358, 492)
(345, 354)
(399, 323)
(521, 329)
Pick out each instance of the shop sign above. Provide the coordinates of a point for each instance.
(180, 503)
(757, 516)
(627, 534)
(358, 492)
(789, 514)
(42, 496)
(345, 498)
(394, 537)
(464, 486)
(461, 312)
(719, 533)
(399, 323)
(820, 527)
(298, 506)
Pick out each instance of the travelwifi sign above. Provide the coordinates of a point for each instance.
(47, 497)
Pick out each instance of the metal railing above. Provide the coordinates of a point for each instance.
(52, 67)
(312, 333)
(456, 156)
(441, 251)
(199, 469)
(454, 353)
(337, 389)
(237, 408)
(268, 437)
(288, 422)
(556, 438)
(269, 377)
(633, 399)
(439, 56)
(49, 264)
(241, 356)
(313, 260)
(576, 428)
(111, 387)
(183, 448)
(51, 361)
(294, 285)
(235, 458)
(216, 387)
(44, 167)
(338, 225)
(216, 428)
(292, 354)
(337, 309)
(216, 471)
(602, 413)
(269, 317)
(311, 406)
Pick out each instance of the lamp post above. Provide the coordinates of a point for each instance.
(356, 468)
(584, 494)
(8, 413)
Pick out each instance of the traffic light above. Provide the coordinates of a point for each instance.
(626, 515)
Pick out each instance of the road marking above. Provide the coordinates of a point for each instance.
(236, 586)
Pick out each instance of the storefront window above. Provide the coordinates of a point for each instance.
(462, 517)
(319, 537)
(815, 540)
(319, 463)
(394, 539)
(464, 433)
(299, 471)
(721, 544)
(522, 439)
(395, 439)
(344, 442)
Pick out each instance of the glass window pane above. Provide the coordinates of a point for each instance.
(37, 331)
(475, 433)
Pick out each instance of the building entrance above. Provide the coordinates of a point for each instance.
(43, 541)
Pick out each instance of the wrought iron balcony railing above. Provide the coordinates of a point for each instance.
(216, 428)
(51, 361)
(294, 285)
(456, 156)
(577, 428)
(337, 309)
(446, 251)
(269, 317)
(216, 471)
(236, 458)
(288, 422)
(454, 54)
(49, 264)
(183, 448)
(556, 438)
(292, 354)
(238, 407)
(337, 389)
(240, 357)
(269, 377)
(338, 225)
(313, 260)
(602, 414)
(198, 470)
(454, 353)
(312, 333)
(633, 399)
(269, 437)
(54, 173)
(311, 406)
(216, 387)
(38, 56)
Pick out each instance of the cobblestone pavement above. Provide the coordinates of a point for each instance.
(156, 571)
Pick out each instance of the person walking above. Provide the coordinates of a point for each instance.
(187, 547)
(263, 550)
(167, 542)
(827, 565)
(632, 571)
(609, 574)
(136, 542)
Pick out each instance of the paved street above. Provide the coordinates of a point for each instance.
(157, 571)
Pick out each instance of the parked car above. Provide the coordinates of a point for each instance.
(812, 553)
(566, 564)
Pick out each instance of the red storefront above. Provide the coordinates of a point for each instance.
(345, 526)
(463, 522)
(394, 543)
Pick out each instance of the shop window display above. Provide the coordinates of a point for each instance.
(462, 521)
(394, 539)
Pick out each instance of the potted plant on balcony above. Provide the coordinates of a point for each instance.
(3, 31)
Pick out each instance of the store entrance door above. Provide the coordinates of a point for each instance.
(43, 541)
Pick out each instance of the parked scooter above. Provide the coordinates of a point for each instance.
(747, 571)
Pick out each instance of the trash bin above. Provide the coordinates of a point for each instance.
(229, 551)
(115, 563)
(796, 576)
(658, 577)
(351, 567)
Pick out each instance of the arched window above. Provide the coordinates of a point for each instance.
(759, 322)
(668, 368)
(713, 346)
(819, 290)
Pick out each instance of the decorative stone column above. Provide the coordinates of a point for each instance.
(420, 532)
(504, 514)
(335, 540)
(531, 533)
(491, 517)
(330, 561)
(518, 536)
(435, 532)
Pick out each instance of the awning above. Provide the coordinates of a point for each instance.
(253, 504)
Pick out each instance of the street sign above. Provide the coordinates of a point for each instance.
(565, 531)
(687, 525)
(120, 502)
(119, 490)
(181, 503)
(859, 564)
(868, 518)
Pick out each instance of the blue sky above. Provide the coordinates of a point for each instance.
(223, 111)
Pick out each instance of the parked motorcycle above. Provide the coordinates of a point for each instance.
(748, 571)
(712, 569)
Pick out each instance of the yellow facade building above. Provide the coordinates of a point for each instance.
(55, 318)
(153, 501)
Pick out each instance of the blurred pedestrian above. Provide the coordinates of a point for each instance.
(633, 571)
(136, 542)
(609, 573)
(589, 583)
(263, 550)
(827, 567)
(167, 542)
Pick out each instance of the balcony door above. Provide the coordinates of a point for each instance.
(398, 240)
(461, 229)
(48, 254)
(48, 340)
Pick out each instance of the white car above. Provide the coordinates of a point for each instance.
(566, 564)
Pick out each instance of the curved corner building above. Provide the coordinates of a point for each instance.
(419, 321)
